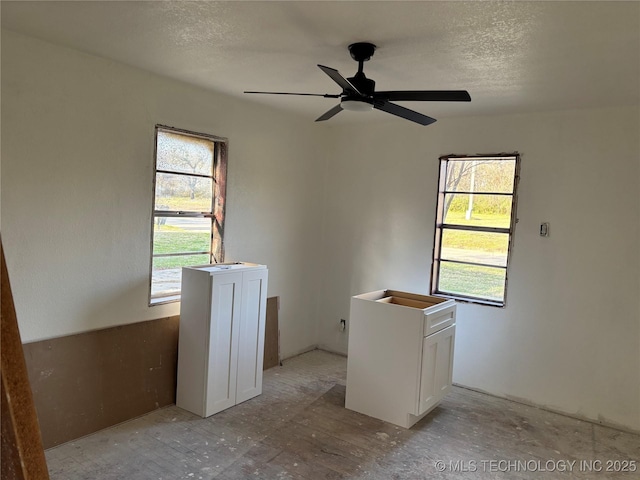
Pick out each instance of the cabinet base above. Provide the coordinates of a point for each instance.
(406, 421)
(413, 419)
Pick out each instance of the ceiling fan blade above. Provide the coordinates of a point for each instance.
(402, 112)
(424, 96)
(339, 79)
(325, 95)
(330, 113)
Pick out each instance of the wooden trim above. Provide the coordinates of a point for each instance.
(271, 335)
(406, 302)
(219, 201)
(182, 131)
(414, 296)
(479, 156)
(22, 451)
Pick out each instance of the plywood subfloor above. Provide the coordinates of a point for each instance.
(299, 429)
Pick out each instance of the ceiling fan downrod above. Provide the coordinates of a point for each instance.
(362, 52)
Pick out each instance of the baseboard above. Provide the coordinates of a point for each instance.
(311, 348)
(522, 401)
(296, 353)
(329, 350)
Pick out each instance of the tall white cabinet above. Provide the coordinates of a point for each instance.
(400, 357)
(221, 341)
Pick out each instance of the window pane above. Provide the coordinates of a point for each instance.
(478, 210)
(184, 189)
(183, 193)
(472, 280)
(480, 175)
(181, 235)
(476, 247)
(166, 275)
(183, 153)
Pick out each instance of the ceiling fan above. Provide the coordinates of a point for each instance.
(359, 94)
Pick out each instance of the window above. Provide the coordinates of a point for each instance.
(188, 207)
(475, 221)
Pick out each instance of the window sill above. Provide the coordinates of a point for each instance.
(164, 300)
(477, 301)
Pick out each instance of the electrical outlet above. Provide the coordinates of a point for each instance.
(544, 229)
(343, 324)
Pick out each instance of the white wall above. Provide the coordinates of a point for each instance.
(333, 212)
(77, 159)
(569, 338)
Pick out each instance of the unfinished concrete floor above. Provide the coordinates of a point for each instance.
(299, 428)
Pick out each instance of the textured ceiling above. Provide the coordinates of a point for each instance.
(512, 57)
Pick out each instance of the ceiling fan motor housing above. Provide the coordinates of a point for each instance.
(365, 85)
(362, 51)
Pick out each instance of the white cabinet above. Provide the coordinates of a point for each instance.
(436, 368)
(400, 357)
(221, 341)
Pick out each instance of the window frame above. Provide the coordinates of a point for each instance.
(216, 214)
(441, 227)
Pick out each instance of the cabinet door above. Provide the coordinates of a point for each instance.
(437, 367)
(251, 334)
(223, 341)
